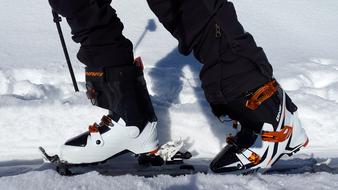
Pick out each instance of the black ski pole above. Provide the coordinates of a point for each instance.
(57, 19)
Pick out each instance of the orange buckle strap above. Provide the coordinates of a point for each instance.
(234, 124)
(153, 152)
(262, 94)
(278, 136)
(230, 139)
(93, 128)
(91, 93)
(106, 121)
(254, 158)
(139, 63)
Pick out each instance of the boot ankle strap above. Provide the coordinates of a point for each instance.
(262, 94)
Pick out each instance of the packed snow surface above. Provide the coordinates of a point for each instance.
(38, 105)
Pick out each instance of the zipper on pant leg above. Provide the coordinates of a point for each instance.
(218, 31)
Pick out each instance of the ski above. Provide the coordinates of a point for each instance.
(307, 165)
(146, 165)
(181, 164)
(293, 165)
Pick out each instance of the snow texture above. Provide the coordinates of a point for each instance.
(38, 105)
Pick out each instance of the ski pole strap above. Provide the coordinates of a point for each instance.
(261, 95)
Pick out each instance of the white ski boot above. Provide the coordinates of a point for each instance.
(251, 152)
(131, 124)
(108, 139)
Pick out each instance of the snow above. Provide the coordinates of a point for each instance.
(43, 180)
(38, 105)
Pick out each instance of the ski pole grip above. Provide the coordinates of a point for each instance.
(56, 17)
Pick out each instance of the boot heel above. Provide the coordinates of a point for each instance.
(306, 143)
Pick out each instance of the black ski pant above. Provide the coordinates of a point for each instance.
(233, 65)
(97, 28)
